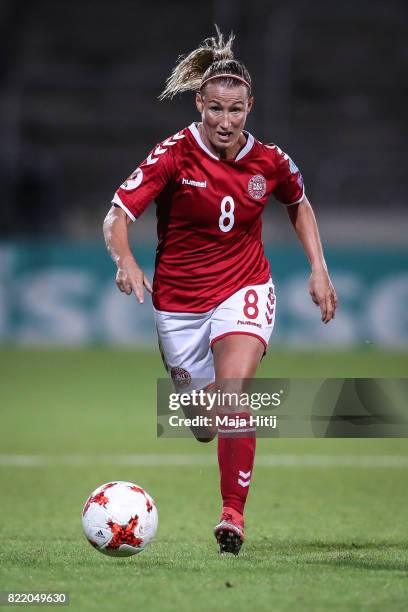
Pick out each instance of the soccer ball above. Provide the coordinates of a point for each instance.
(119, 519)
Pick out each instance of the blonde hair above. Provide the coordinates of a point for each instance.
(214, 56)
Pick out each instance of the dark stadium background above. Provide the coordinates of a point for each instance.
(79, 83)
(78, 95)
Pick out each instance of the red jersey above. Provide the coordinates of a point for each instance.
(208, 216)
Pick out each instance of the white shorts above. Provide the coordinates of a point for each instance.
(186, 338)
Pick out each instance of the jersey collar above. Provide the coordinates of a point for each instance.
(196, 134)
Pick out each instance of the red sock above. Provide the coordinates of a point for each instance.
(236, 452)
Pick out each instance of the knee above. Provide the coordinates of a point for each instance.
(231, 385)
(206, 440)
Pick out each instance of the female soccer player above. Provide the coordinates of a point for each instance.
(213, 297)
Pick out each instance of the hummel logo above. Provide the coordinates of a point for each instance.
(245, 478)
(194, 183)
(248, 323)
(160, 150)
(99, 534)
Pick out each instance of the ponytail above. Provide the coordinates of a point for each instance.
(214, 56)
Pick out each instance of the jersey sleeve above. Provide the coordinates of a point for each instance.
(290, 188)
(147, 181)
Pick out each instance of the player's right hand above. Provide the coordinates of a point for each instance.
(130, 277)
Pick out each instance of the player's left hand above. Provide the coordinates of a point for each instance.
(323, 294)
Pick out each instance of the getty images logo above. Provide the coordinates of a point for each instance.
(194, 183)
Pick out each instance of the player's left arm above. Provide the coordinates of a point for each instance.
(320, 286)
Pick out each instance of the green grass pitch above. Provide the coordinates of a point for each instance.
(320, 536)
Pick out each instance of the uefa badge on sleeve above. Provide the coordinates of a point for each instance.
(257, 187)
(134, 180)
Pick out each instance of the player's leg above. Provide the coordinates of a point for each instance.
(187, 357)
(237, 355)
(202, 433)
(236, 358)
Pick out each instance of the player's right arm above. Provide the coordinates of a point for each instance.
(129, 202)
(129, 276)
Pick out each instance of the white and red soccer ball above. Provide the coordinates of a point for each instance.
(119, 519)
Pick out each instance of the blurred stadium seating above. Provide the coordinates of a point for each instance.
(80, 81)
(78, 110)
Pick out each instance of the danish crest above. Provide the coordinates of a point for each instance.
(180, 376)
(257, 187)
